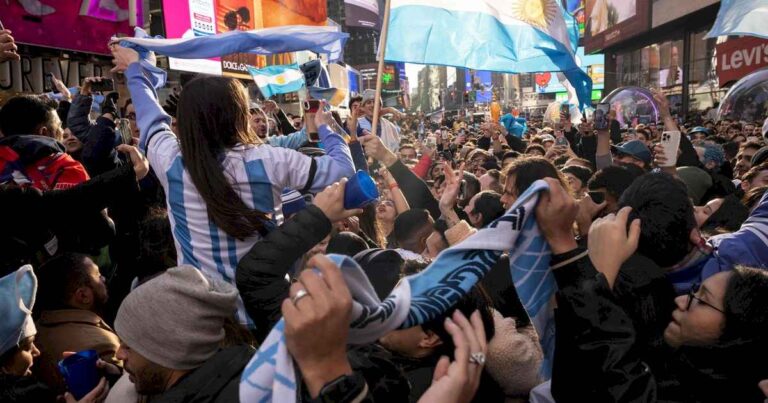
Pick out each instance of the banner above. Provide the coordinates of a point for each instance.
(612, 21)
(78, 25)
(362, 13)
(740, 56)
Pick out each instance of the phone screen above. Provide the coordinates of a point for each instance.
(601, 116)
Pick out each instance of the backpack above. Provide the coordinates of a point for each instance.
(52, 172)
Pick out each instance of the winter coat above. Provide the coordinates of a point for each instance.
(600, 357)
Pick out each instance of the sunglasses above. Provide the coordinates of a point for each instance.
(692, 296)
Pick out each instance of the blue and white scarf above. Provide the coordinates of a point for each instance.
(284, 39)
(419, 298)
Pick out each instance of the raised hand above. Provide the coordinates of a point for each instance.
(610, 245)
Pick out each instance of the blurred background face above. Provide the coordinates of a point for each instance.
(72, 143)
(130, 114)
(385, 211)
(259, 123)
(408, 153)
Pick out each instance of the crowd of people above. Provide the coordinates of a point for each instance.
(173, 238)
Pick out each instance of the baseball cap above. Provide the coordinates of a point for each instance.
(634, 148)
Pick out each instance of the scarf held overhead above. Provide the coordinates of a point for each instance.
(419, 298)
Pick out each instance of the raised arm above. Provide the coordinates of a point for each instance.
(337, 162)
(150, 116)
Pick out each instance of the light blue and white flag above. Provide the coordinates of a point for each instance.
(510, 36)
(422, 297)
(278, 79)
(741, 17)
(284, 39)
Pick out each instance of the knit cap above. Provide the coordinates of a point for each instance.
(17, 297)
(176, 319)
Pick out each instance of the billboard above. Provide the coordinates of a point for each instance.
(577, 8)
(362, 13)
(190, 18)
(593, 65)
(611, 21)
(479, 84)
(78, 25)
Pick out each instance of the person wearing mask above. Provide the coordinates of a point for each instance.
(71, 299)
(222, 183)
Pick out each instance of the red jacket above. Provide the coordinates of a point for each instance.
(40, 162)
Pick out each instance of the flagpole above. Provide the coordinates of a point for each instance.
(380, 70)
(132, 20)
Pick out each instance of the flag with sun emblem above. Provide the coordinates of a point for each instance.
(509, 36)
(274, 80)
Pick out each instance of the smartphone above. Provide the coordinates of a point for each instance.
(565, 109)
(105, 85)
(49, 83)
(431, 142)
(597, 197)
(670, 141)
(561, 141)
(311, 106)
(601, 116)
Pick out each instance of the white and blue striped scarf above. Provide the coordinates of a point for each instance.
(270, 376)
(284, 39)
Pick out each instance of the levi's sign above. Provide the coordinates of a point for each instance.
(738, 57)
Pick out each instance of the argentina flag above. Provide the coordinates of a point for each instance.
(274, 80)
(741, 17)
(508, 36)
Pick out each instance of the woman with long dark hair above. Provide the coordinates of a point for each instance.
(222, 183)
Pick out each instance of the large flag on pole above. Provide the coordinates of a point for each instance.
(741, 17)
(278, 79)
(510, 36)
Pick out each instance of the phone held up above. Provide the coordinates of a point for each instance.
(601, 116)
(105, 85)
(311, 107)
(670, 141)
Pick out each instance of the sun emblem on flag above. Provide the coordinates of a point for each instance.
(280, 80)
(538, 13)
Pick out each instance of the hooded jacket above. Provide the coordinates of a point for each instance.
(39, 161)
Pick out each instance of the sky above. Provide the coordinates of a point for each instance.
(412, 71)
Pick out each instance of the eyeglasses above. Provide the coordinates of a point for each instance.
(131, 116)
(692, 296)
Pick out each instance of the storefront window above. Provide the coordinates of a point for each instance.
(704, 87)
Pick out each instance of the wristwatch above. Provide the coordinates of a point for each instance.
(344, 389)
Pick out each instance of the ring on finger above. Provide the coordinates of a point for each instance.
(477, 358)
(299, 295)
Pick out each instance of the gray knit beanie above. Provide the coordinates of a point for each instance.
(176, 319)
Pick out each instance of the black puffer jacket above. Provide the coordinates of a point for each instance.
(37, 223)
(602, 356)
